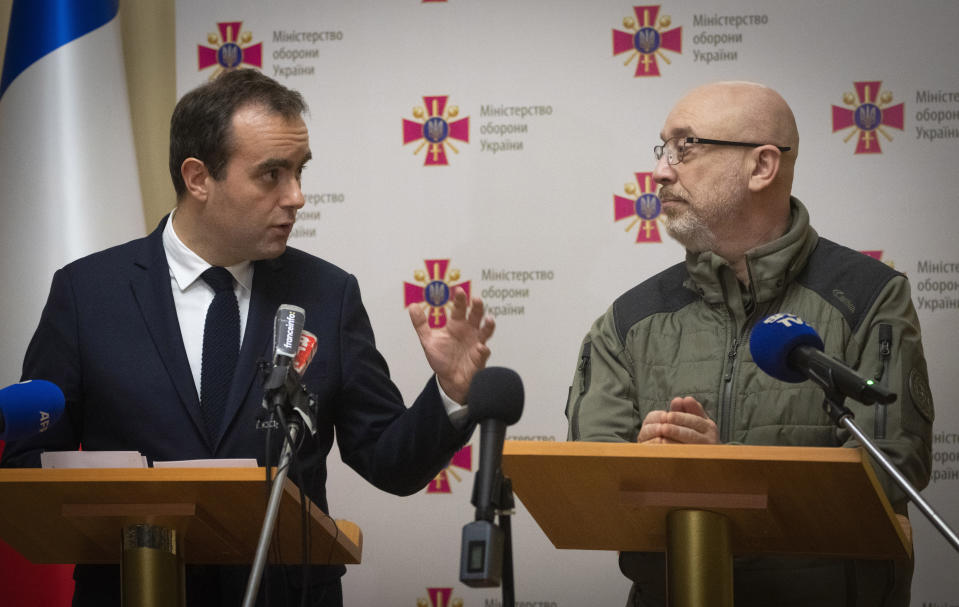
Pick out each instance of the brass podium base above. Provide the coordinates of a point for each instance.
(699, 560)
(152, 568)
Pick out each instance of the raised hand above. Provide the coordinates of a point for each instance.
(459, 349)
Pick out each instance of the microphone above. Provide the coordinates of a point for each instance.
(495, 400)
(304, 354)
(301, 400)
(787, 348)
(29, 408)
(287, 328)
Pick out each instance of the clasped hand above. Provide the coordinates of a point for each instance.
(685, 422)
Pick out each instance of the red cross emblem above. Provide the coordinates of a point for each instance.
(643, 207)
(868, 112)
(231, 49)
(462, 460)
(434, 290)
(436, 130)
(646, 37)
(439, 597)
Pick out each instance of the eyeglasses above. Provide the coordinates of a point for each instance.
(675, 147)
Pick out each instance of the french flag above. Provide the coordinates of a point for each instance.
(68, 187)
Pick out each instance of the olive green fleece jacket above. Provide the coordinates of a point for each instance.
(685, 332)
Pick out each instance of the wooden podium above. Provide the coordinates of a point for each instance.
(701, 504)
(153, 520)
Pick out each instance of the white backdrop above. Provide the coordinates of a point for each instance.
(523, 208)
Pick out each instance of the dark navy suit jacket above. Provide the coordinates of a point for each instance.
(109, 337)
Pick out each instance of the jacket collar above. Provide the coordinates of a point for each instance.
(771, 266)
(151, 288)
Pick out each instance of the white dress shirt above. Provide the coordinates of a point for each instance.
(192, 295)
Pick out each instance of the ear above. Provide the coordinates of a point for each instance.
(765, 167)
(196, 177)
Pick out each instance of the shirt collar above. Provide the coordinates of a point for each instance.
(186, 266)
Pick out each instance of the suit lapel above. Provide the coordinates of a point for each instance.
(269, 290)
(151, 288)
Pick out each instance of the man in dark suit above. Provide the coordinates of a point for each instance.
(126, 333)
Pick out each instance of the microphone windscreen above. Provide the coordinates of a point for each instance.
(496, 393)
(287, 327)
(304, 356)
(29, 408)
(774, 338)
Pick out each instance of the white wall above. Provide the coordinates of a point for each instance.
(543, 203)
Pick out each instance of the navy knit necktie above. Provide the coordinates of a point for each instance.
(221, 349)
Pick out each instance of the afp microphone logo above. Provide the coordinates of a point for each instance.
(44, 421)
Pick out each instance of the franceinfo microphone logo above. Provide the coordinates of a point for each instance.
(287, 326)
(290, 330)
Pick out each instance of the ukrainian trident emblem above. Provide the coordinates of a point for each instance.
(435, 290)
(868, 111)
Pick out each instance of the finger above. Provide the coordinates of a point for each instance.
(487, 328)
(651, 426)
(459, 304)
(657, 440)
(655, 434)
(476, 312)
(482, 353)
(418, 318)
(656, 416)
(685, 435)
(690, 428)
(687, 404)
(688, 420)
(648, 433)
(677, 433)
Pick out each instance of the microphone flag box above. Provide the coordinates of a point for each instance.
(481, 559)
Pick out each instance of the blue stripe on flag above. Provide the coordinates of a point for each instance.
(38, 27)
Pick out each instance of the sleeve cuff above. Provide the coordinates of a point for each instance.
(457, 412)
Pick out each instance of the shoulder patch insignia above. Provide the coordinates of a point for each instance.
(919, 390)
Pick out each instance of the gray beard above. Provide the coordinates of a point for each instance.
(691, 231)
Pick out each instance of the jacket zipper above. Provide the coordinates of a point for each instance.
(885, 353)
(727, 402)
(726, 398)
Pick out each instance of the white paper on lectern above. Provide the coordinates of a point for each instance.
(92, 459)
(207, 463)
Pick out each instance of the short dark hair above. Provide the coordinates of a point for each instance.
(200, 126)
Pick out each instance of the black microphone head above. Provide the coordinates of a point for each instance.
(496, 393)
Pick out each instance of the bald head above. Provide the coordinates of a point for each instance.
(742, 111)
(739, 111)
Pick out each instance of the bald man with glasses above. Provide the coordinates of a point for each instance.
(669, 361)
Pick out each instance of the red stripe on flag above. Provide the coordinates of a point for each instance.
(27, 585)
